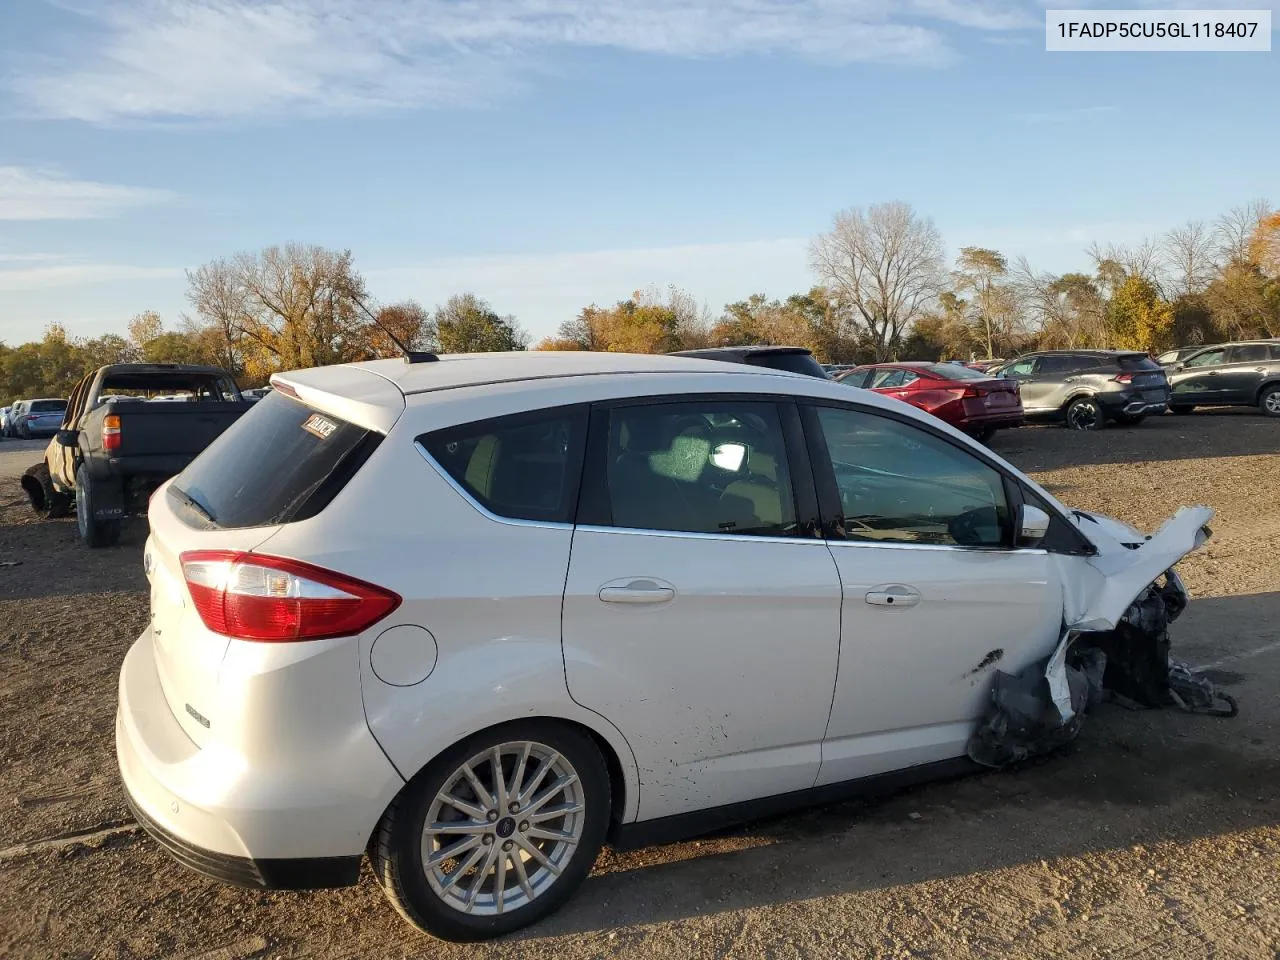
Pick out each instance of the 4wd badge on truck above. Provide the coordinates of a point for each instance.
(318, 425)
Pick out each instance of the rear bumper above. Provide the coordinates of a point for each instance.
(1134, 404)
(239, 819)
(298, 873)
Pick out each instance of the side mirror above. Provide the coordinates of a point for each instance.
(1175, 367)
(67, 438)
(1033, 527)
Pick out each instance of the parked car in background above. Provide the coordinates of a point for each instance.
(40, 418)
(984, 366)
(369, 636)
(4, 421)
(1086, 389)
(1245, 374)
(968, 400)
(110, 454)
(1177, 355)
(790, 359)
(11, 425)
(255, 394)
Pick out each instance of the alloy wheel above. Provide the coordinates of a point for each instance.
(1084, 415)
(1272, 403)
(502, 828)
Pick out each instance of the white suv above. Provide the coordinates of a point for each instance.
(475, 616)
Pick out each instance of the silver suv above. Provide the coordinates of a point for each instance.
(1228, 374)
(1087, 388)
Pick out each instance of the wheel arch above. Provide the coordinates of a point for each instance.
(1263, 387)
(624, 787)
(1077, 394)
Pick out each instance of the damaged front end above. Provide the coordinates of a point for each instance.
(1114, 643)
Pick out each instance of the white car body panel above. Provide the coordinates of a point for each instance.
(913, 679)
(746, 685)
(723, 692)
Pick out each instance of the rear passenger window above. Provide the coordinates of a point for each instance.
(1249, 353)
(524, 467)
(705, 467)
(1058, 365)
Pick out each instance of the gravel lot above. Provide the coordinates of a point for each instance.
(1155, 835)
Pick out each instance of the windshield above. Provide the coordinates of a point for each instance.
(281, 462)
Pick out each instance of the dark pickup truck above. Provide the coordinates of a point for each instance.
(128, 428)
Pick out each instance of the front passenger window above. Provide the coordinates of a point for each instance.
(901, 484)
(1208, 358)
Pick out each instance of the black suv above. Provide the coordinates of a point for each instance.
(790, 359)
(1087, 388)
(1243, 374)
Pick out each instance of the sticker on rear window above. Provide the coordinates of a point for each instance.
(320, 426)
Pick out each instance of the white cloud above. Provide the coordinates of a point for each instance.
(221, 59)
(1061, 116)
(62, 276)
(30, 194)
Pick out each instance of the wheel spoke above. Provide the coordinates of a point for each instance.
(537, 854)
(499, 781)
(462, 806)
(540, 833)
(522, 876)
(517, 775)
(557, 787)
(457, 826)
(482, 794)
(538, 776)
(500, 881)
(551, 813)
(481, 873)
(462, 868)
(448, 853)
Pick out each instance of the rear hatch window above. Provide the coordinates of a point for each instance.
(281, 462)
(48, 406)
(1137, 362)
(790, 362)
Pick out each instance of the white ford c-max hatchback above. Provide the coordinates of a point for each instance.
(474, 616)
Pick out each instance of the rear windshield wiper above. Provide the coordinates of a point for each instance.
(194, 504)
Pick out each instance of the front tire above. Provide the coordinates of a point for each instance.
(496, 833)
(1269, 402)
(93, 532)
(1084, 413)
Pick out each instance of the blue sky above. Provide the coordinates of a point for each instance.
(546, 154)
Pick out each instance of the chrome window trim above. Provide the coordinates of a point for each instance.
(695, 535)
(478, 506)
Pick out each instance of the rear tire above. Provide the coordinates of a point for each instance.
(1084, 413)
(1269, 401)
(45, 500)
(462, 903)
(1130, 419)
(94, 533)
(984, 434)
(1181, 408)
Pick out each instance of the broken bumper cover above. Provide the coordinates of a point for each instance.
(1114, 641)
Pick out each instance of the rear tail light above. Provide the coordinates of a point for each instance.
(269, 599)
(111, 435)
(1123, 378)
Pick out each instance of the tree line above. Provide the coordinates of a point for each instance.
(884, 290)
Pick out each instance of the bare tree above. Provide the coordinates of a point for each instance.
(217, 293)
(1188, 258)
(1235, 230)
(886, 264)
(1117, 261)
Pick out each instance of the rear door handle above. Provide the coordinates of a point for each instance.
(643, 590)
(893, 595)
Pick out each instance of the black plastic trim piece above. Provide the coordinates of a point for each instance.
(303, 873)
(645, 833)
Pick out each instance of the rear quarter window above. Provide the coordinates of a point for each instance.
(279, 463)
(523, 467)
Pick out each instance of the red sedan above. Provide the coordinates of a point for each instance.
(967, 399)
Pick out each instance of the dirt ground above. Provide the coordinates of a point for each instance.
(1157, 834)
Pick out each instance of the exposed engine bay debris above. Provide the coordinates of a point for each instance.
(1104, 655)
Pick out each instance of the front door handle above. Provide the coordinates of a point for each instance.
(893, 595)
(637, 591)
